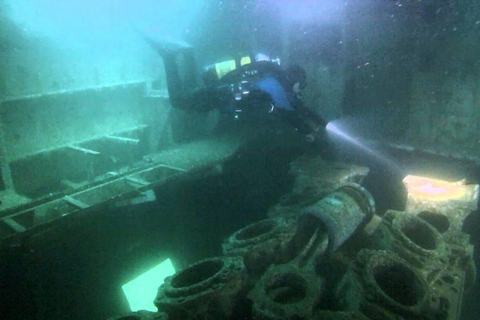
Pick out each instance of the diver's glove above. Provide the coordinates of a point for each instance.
(310, 138)
(320, 144)
(318, 132)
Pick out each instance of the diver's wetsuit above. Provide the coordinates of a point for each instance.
(267, 84)
(277, 89)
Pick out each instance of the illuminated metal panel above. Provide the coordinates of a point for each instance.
(141, 291)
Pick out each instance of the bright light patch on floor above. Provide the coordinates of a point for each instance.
(141, 291)
(437, 190)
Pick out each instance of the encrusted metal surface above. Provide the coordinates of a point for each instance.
(314, 179)
(261, 243)
(142, 315)
(446, 267)
(205, 290)
(286, 292)
(292, 290)
(403, 265)
(184, 161)
(341, 213)
(383, 286)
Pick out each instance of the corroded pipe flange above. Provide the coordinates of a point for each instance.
(142, 315)
(208, 287)
(362, 196)
(291, 290)
(286, 292)
(261, 243)
(383, 286)
(393, 283)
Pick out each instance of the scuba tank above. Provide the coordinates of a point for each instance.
(240, 86)
(220, 69)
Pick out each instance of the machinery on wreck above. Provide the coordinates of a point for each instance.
(324, 253)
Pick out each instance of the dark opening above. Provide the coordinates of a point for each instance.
(419, 233)
(287, 288)
(197, 273)
(256, 230)
(438, 221)
(399, 283)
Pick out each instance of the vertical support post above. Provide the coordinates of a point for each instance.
(285, 43)
(6, 175)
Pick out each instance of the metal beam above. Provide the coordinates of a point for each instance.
(14, 225)
(75, 202)
(73, 91)
(197, 160)
(84, 150)
(123, 139)
(137, 181)
(6, 175)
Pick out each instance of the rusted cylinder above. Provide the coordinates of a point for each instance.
(206, 289)
(340, 213)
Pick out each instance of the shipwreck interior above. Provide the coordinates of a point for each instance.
(101, 179)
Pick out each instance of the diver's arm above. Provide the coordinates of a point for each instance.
(295, 121)
(291, 108)
(305, 120)
(316, 123)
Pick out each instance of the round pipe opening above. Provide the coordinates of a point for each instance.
(419, 232)
(287, 288)
(255, 230)
(197, 273)
(399, 283)
(437, 220)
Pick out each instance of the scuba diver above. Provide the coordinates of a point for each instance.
(250, 82)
